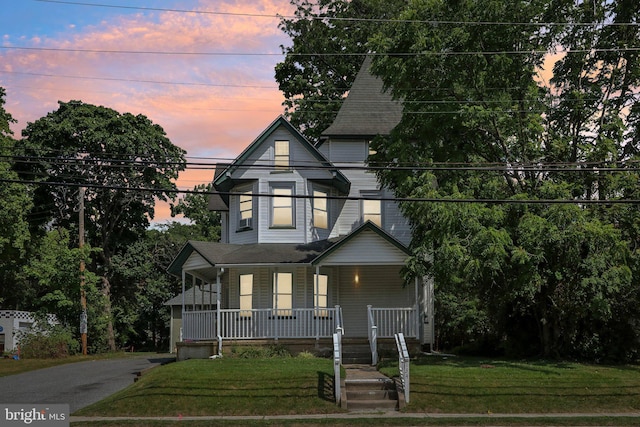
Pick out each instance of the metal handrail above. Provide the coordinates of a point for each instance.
(337, 363)
(403, 364)
(373, 336)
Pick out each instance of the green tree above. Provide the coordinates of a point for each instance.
(328, 46)
(124, 161)
(195, 206)
(554, 279)
(14, 226)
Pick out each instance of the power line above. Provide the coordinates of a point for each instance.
(329, 18)
(320, 54)
(343, 198)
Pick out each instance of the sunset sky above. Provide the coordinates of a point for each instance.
(203, 70)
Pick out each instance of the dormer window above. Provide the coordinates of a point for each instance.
(281, 155)
(320, 210)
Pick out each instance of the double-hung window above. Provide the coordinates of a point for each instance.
(281, 155)
(246, 295)
(320, 209)
(246, 211)
(282, 206)
(372, 209)
(282, 294)
(321, 294)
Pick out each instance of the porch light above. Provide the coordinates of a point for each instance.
(356, 279)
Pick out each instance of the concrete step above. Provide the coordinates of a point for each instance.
(366, 394)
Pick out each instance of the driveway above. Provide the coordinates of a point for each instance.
(77, 384)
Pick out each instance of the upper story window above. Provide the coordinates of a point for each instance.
(372, 211)
(281, 155)
(245, 209)
(282, 206)
(320, 209)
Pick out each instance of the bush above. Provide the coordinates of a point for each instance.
(262, 352)
(52, 342)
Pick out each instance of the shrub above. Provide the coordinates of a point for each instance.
(51, 342)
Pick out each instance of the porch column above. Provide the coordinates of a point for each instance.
(315, 302)
(218, 314)
(184, 277)
(417, 296)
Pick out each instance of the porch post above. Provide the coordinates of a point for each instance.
(418, 323)
(218, 314)
(184, 277)
(315, 302)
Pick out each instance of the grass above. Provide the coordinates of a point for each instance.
(228, 386)
(9, 366)
(440, 386)
(473, 386)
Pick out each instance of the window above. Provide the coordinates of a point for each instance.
(320, 211)
(321, 294)
(372, 211)
(282, 294)
(246, 211)
(281, 155)
(246, 294)
(282, 208)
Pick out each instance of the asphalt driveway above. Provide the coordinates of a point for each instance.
(77, 384)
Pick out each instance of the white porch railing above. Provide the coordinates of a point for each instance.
(403, 364)
(389, 321)
(261, 323)
(199, 325)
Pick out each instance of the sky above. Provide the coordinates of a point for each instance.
(105, 52)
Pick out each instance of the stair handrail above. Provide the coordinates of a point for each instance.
(403, 364)
(337, 363)
(373, 336)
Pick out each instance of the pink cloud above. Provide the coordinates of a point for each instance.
(215, 119)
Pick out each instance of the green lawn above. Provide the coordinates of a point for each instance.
(463, 385)
(290, 386)
(227, 386)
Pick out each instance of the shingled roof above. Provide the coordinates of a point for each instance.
(368, 110)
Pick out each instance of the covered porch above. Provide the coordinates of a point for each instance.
(287, 292)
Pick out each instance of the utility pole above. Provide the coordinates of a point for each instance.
(83, 295)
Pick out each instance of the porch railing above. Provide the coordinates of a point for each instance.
(261, 323)
(199, 325)
(389, 321)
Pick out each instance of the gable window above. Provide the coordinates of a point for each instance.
(282, 294)
(245, 220)
(320, 211)
(372, 211)
(321, 294)
(281, 155)
(282, 207)
(246, 295)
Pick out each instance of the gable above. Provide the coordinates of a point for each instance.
(367, 245)
(257, 160)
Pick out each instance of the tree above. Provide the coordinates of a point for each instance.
(195, 206)
(14, 226)
(329, 43)
(124, 161)
(472, 95)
